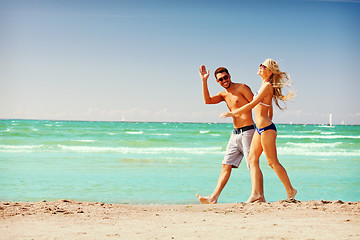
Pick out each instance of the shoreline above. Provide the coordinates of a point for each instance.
(68, 219)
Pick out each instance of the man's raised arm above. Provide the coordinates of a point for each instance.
(204, 75)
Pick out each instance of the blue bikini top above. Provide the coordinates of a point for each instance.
(264, 104)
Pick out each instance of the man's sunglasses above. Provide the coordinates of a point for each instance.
(226, 77)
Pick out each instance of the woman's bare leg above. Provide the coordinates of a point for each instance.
(257, 192)
(268, 140)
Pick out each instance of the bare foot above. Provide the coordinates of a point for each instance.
(292, 194)
(207, 200)
(257, 198)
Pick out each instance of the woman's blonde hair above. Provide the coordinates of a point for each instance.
(279, 80)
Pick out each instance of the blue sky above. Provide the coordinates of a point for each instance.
(139, 60)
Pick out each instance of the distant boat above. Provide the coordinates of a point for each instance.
(123, 119)
(330, 120)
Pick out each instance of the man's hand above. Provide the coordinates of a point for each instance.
(203, 73)
(226, 114)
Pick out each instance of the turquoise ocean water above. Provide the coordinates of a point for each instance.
(166, 163)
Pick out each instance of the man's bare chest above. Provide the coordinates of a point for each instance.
(235, 101)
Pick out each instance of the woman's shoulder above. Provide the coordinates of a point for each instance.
(266, 86)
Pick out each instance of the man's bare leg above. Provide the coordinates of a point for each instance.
(223, 179)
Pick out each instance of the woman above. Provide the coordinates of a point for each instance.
(273, 80)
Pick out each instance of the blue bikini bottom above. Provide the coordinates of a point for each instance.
(271, 126)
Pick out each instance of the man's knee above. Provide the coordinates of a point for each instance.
(227, 167)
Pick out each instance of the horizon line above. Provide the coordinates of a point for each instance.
(37, 119)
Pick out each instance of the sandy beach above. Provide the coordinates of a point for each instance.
(66, 219)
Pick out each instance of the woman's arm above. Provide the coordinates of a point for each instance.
(263, 92)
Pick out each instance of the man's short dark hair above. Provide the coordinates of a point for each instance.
(220, 70)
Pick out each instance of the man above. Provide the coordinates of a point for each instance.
(235, 95)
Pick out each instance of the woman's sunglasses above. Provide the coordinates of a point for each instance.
(263, 66)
